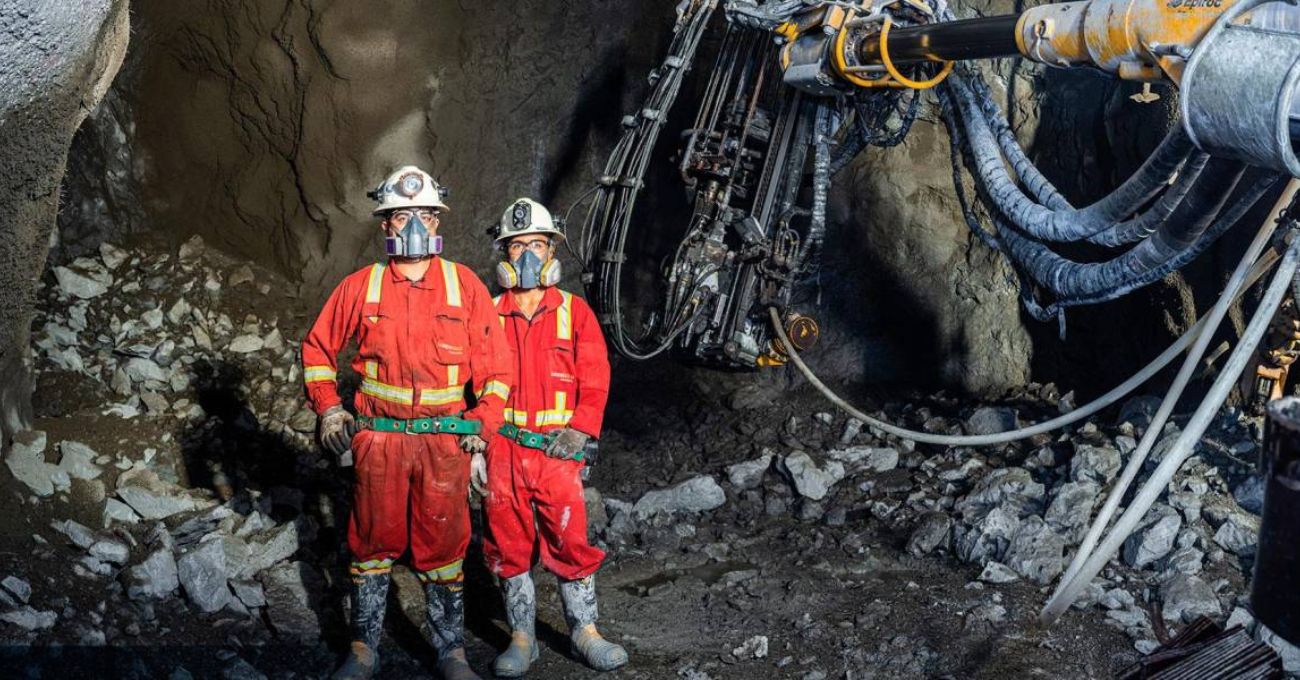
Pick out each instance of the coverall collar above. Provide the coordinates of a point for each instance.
(551, 299)
(429, 281)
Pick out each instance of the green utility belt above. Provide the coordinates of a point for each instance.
(530, 439)
(437, 425)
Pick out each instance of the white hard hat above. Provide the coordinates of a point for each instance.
(409, 187)
(526, 216)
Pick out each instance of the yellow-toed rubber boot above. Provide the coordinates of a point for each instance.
(521, 614)
(580, 612)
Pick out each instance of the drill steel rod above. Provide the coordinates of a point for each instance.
(984, 38)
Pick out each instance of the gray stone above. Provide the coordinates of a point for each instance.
(303, 421)
(203, 573)
(117, 511)
(290, 589)
(851, 430)
(932, 532)
(809, 480)
(986, 613)
(1117, 598)
(80, 535)
(1071, 508)
(110, 550)
(112, 256)
(30, 619)
(1036, 552)
(26, 462)
(1239, 534)
(77, 460)
(153, 505)
(991, 420)
(1184, 561)
(139, 369)
(1250, 494)
(20, 588)
(80, 284)
(1139, 410)
(865, 458)
(246, 344)
(239, 669)
(1240, 617)
(989, 538)
(1154, 538)
(996, 572)
(1010, 487)
(693, 495)
(1096, 464)
(280, 545)
(249, 592)
(749, 474)
(1186, 597)
(155, 577)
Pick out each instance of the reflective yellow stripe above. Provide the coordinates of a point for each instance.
(376, 284)
(453, 374)
(564, 317)
(558, 415)
(374, 564)
(518, 418)
(496, 387)
(451, 572)
(378, 390)
(312, 374)
(372, 369)
(446, 395)
(451, 281)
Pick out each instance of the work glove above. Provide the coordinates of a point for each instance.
(478, 474)
(472, 443)
(336, 430)
(567, 444)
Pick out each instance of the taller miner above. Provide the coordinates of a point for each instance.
(425, 327)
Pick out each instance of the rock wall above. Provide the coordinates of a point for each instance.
(56, 62)
(259, 126)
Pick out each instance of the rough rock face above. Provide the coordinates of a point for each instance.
(56, 62)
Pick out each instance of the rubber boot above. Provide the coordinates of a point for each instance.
(521, 614)
(580, 612)
(445, 607)
(369, 599)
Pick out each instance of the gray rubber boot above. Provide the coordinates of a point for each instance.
(580, 612)
(445, 608)
(369, 599)
(521, 614)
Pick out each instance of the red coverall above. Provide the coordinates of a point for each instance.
(420, 342)
(561, 379)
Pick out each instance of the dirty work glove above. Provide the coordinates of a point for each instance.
(478, 473)
(336, 429)
(567, 444)
(472, 443)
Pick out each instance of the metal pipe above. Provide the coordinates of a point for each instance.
(983, 38)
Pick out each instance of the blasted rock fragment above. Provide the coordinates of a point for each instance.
(989, 538)
(809, 480)
(1036, 551)
(1096, 464)
(203, 573)
(18, 587)
(693, 495)
(290, 588)
(1154, 539)
(932, 532)
(1012, 488)
(1186, 597)
(991, 420)
(749, 474)
(157, 576)
(28, 618)
(1071, 508)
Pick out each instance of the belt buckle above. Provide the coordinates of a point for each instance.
(414, 425)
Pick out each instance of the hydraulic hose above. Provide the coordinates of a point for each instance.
(1069, 279)
(1186, 442)
(1236, 284)
(1114, 395)
(1145, 224)
(1042, 222)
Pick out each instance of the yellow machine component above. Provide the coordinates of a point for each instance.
(1143, 40)
(803, 332)
(1275, 363)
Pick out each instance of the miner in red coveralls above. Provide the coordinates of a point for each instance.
(534, 501)
(426, 329)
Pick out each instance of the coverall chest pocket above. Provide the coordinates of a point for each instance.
(375, 330)
(450, 338)
(561, 364)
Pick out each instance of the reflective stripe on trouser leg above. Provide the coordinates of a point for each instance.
(445, 608)
(450, 573)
